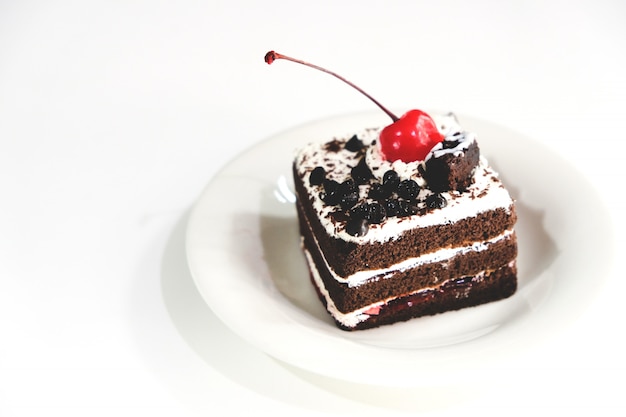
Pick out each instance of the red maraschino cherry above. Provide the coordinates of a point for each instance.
(409, 138)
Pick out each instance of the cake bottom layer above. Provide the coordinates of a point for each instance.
(452, 294)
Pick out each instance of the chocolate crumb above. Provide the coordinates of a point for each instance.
(333, 146)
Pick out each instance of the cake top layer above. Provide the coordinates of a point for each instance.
(348, 179)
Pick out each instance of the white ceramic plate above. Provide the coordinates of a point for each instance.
(243, 251)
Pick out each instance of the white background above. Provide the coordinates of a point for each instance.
(114, 116)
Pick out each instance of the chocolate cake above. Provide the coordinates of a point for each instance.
(390, 241)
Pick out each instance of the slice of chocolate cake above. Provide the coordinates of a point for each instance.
(389, 241)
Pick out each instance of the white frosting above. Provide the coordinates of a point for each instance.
(486, 192)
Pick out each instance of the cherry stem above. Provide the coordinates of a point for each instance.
(271, 56)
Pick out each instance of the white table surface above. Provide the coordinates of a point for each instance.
(114, 116)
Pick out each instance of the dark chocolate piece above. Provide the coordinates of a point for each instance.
(452, 172)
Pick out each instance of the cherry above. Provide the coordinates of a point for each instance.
(409, 138)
